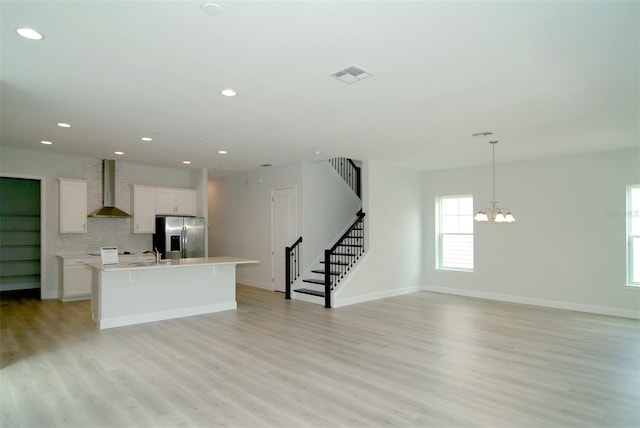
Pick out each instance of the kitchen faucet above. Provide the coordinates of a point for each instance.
(155, 253)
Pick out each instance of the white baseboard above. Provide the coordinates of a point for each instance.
(601, 310)
(255, 284)
(49, 295)
(338, 302)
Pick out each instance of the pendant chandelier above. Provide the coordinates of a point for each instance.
(495, 213)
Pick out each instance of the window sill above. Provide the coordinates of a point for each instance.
(450, 269)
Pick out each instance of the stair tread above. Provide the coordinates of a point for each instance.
(337, 263)
(314, 281)
(308, 291)
(350, 245)
(322, 272)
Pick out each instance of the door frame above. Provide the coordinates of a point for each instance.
(42, 180)
(273, 229)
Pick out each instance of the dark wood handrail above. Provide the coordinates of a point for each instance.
(341, 262)
(350, 173)
(358, 171)
(360, 215)
(292, 270)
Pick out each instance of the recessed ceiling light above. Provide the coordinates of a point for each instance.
(63, 125)
(222, 152)
(211, 9)
(186, 162)
(317, 152)
(146, 139)
(229, 92)
(29, 33)
(48, 143)
(118, 153)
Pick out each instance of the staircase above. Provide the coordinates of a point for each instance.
(338, 260)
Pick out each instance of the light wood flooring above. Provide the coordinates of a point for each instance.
(420, 360)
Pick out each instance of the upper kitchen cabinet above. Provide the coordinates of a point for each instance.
(73, 205)
(144, 209)
(149, 201)
(176, 202)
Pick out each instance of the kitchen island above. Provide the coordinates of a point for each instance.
(139, 292)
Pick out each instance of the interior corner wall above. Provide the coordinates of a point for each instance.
(240, 218)
(392, 203)
(567, 247)
(199, 182)
(328, 206)
(240, 214)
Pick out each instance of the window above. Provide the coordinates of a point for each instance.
(633, 235)
(454, 231)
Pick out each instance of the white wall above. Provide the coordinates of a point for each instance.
(567, 246)
(50, 167)
(199, 182)
(393, 228)
(329, 206)
(240, 218)
(240, 214)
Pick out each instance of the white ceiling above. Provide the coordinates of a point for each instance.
(548, 78)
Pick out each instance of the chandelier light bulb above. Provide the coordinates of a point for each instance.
(481, 216)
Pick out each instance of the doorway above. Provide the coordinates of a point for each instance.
(21, 235)
(284, 231)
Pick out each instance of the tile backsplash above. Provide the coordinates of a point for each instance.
(104, 232)
(101, 232)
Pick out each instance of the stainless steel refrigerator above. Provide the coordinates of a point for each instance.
(179, 237)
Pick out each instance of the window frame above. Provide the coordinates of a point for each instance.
(440, 235)
(631, 214)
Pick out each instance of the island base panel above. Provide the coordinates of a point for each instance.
(125, 297)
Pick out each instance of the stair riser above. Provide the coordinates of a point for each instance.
(308, 298)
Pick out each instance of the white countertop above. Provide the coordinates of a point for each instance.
(171, 263)
(64, 255)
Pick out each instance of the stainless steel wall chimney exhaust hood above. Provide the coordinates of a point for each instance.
(109, 209)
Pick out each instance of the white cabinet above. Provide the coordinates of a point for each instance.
(75, 278)
(149, 201)
(73, 206)
(74, 282)
(144, 209)
(176, 201)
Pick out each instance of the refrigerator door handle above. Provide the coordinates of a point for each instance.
(183, 250)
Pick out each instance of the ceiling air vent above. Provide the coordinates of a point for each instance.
(351, 74)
